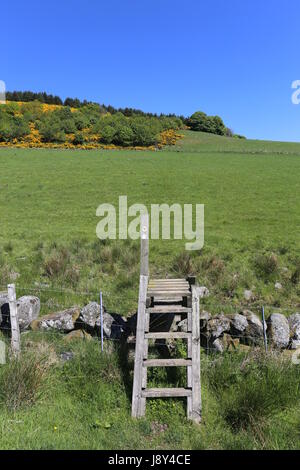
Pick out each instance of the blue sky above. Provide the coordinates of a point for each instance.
(234, 58)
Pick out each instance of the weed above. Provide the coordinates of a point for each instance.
(183, 265)
(266, 264)
(23, 381)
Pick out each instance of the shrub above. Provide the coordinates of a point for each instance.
(50, 130)
(22, 381)
(123, 136)
(78, 138)
(107, 134)
(266, 264)
(183, 265)
(199, 121)
(56, 264)
(144, 135)
(32, 111)
(81, 121)
(12, 127)
(252, 388)
(295, 278)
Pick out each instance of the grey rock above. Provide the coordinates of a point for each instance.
(62, 321)
(278, 330)
(204, 318)
(294, 324)
(218, 325)
(239, 325)
(183, 326)
(204, 315)
(254, 331)
(114, 325)
(89, 319)
(66, 356)
(202, 291)
(89, 314)
(278, 286)
(218, 346)
(28, 308)
(248, 295)
(295, 344)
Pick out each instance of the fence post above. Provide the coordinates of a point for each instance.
(14, 321)
(264, 329)
(144, 269)
(101, 320)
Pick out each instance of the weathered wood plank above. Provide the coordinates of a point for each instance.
(196, 375)
(169, 309)
(139, 349)
(169, 284)
(163, 290)
(166, 392)
(167, 363)
(189, 369)
(168, 280)
(144, 369)
(144, 269)
(168, 335)
(175, 296)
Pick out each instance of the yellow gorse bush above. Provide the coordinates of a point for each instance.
(90, 139)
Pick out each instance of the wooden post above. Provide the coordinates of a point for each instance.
(139, 379)
(137, 405)
(196, 375)
(14, 321)
(144, 245)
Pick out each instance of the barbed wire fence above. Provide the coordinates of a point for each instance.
(57, 299)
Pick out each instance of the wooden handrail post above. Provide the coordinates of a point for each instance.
(144, 244)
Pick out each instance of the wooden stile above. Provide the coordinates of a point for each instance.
(171, 297)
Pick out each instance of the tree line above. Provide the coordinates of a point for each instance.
(110, 125)
(87, 123)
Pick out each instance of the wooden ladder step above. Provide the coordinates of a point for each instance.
(169, 280)
(168, 335)
(167, 362)
(169, 286)
(168, 309)
(166, 392)
(174, 295)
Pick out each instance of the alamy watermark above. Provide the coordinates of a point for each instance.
(188, 222)
(2, 92)
(296, 93)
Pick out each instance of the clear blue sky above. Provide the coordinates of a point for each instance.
(234, 58)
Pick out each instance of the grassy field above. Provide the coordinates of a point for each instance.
(252, 218)
(251, 196)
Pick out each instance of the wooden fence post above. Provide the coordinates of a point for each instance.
(144, 245)
(14, 321)
(138, 402)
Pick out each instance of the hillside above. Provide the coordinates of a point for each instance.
(200, 142)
